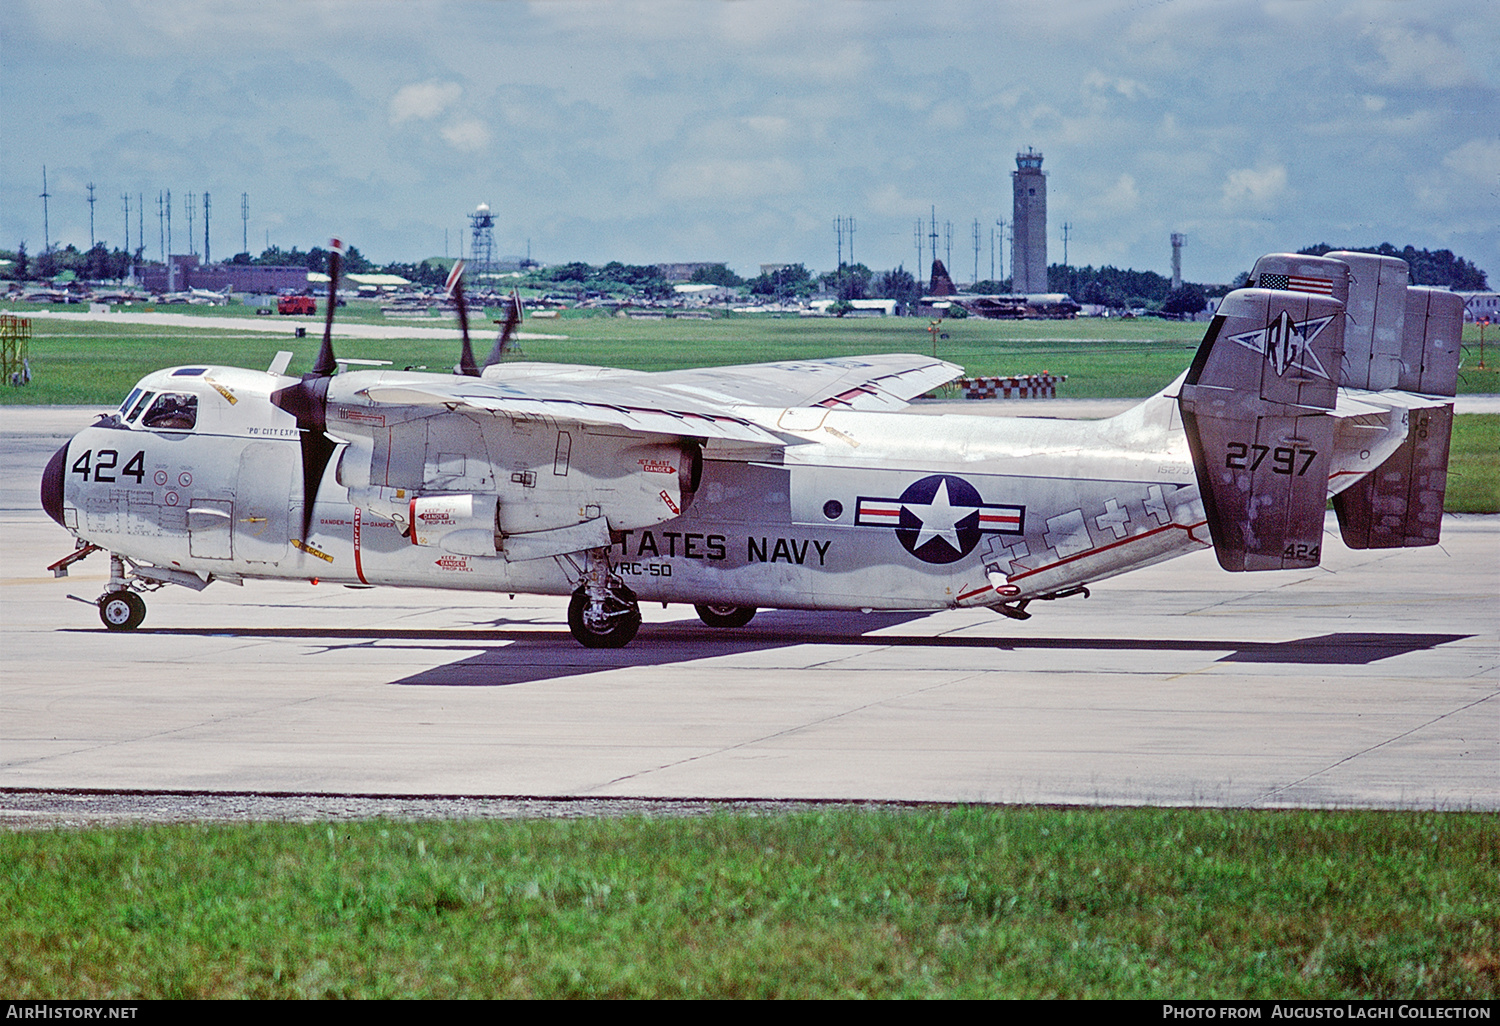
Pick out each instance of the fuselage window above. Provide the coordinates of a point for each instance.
(125, 406)
(173, 410)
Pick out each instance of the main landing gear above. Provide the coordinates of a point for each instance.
(725, 616)
(604, 613)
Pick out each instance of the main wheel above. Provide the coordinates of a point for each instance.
(122, 610)
(622, 620)
(726, 616)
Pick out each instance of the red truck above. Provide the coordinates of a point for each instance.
(296, 305)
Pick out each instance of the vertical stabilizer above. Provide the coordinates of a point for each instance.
(1400, 504)
(1376, 332)
(1295, 272)
(1430, 350)
(1255, 407)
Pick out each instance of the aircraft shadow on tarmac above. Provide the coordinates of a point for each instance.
(516, 655)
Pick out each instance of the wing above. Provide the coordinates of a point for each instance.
(708, 402)
(860, 383)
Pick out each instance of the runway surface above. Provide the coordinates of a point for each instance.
(1373, 681)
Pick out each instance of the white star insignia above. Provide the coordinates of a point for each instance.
(940, 519)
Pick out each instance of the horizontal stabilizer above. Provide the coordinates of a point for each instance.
(1400, 505)
(1255, 409)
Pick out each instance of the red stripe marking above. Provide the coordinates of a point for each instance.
(1189, 528)
(359, 568)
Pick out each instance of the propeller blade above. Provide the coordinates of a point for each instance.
(307, 401)
(512, 319)
(466, 365)
(326, 364)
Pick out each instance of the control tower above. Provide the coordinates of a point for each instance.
(482, 246)
(1028, 252)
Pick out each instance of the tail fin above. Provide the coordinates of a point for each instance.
(1400, 505)
(1255, 407)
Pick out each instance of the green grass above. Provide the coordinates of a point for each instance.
(1474, 465)
(92, 363)
(959, 902)
(78, 362)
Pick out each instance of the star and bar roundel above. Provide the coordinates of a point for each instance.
(940, 518)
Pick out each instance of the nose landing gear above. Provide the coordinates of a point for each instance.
(122, 610)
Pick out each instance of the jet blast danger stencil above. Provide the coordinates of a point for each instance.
(939, 519)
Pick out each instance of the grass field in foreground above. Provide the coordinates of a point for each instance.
(956, 902)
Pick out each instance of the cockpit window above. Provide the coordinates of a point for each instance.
(177, 410)
(135, 411)
(129, 399)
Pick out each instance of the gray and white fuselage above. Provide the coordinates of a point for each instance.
(854, 510)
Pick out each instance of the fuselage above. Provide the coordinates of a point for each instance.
(859, 510)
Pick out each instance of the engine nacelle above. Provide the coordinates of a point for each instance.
(464, 524)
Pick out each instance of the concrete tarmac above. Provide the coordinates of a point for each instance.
(1372, 682)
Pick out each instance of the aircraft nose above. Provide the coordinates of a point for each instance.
(52, 485)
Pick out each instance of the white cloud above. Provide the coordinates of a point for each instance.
(1126, 87)
(423, 100)
(468, 134)
(1120, 198)
(1257, 186)
(1412, 57)
(1477, 159)
(729, 180)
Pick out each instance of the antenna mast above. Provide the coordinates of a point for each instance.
(46, 229)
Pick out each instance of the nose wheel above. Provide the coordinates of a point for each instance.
(122, 610)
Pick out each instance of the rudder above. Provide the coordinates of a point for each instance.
(1255, 407)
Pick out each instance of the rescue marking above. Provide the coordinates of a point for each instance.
(226, 393)
(311, 551)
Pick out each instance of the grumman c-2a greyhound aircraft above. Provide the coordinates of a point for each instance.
(793, 485)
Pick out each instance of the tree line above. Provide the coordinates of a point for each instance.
(1106, 286)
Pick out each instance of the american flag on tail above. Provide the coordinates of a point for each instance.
(1296, 283)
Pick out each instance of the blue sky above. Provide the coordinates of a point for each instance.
(738, 131)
